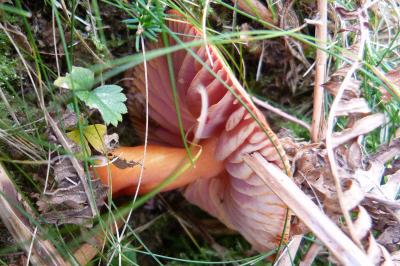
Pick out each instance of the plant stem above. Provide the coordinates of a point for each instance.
(320, 70)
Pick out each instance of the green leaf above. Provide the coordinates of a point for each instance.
(108, 99)
(79, 79)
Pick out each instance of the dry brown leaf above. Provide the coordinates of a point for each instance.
(111, 141)
(371, 178)
(68, 203)
(353, 106)
(351, 91)
(390, 189)
(390, 237)
(335, 240)
(387, 152)
(355, 156)
(361, 127)
(352, 197)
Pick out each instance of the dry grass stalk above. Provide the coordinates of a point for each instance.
(281, 113)
(41, 252)
(320, 70)
(256, 9)
(321, 225)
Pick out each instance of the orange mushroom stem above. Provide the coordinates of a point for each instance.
(160, 162)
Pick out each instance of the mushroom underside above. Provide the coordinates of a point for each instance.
(230, 191)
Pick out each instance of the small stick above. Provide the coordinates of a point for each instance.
(320, 70)
(321, 225)
(281, 113)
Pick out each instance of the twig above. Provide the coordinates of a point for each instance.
(321, 225)
(331, 123)
(260, 61)
(41, 252)
(320, 70)
(281, 113)
(31, 246)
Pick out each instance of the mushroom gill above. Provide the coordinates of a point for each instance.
(220, 182)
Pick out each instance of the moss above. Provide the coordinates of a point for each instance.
(8, 65)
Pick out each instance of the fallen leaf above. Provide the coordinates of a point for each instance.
(75, 136)
(390, 189)
(111, 141)
(387, 152)
(370, 178)
(353, 106)
(352, 90)
(360, 127)
(67, 203)
(355, 156)
(94, 134)
(390, 238)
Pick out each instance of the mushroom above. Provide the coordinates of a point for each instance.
(220, 182)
